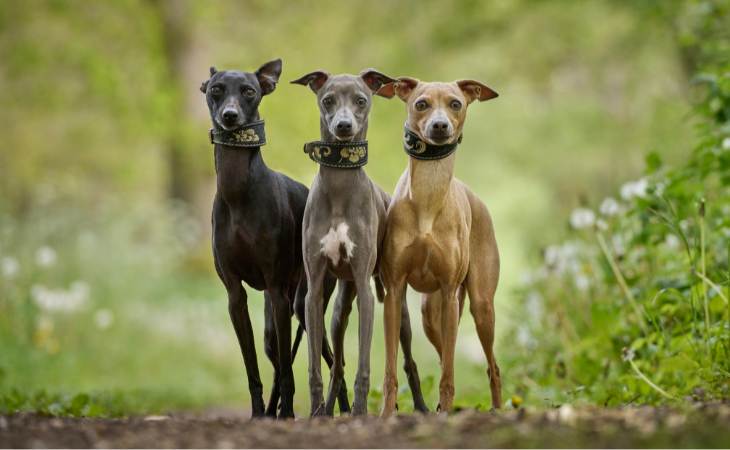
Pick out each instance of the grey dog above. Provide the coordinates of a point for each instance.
(344, 225)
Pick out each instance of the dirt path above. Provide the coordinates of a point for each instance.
(706, 425)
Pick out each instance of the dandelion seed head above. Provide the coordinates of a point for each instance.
(582, 218)
(10, 267)
(609, 207)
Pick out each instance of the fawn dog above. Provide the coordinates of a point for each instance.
(439, 236)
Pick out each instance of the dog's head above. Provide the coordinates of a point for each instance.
(437, 111)
(233, 97)
(344, 100)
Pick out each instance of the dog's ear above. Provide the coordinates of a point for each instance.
(402, 87)
(475, 90)
(268, 75)
(204, 86)
(315, 80)
(375, 80)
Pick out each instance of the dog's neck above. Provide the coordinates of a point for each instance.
(428, 181)
(235, 168)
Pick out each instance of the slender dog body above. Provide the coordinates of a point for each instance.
(344, 226)
(257, 223)
(439, 238)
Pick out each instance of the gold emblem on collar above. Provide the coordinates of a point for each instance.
(245, 136)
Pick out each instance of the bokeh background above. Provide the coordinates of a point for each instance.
(107, 176)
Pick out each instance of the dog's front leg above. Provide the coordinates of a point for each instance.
(449, 327)
(238, 310)
(391, 322)
(314, 318)
(366, 316)
(340, 318)
(282, 319)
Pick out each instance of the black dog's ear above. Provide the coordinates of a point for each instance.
(402, 87)
(474, 90)
(315, 80)
(375, 80)
(204, 86)
(268, 75)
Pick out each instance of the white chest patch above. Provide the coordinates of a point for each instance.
(336, 244)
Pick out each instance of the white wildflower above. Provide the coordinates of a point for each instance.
(618, 244)
(582, 282)
(634, 189)
(582, 218)
(726, 143)
(627, 354)
(10, 267)
(60, 300)
(103, 319)
(551, 255)
(609, 206)
(672, 241)
(45, 257)
(601, 224)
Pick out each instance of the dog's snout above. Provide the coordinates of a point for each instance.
(230, 114)
(440, 126)
(344, 125)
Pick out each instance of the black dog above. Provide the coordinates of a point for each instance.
(257, 234)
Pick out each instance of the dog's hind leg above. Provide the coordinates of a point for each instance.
(280, 307)
(271, 348)
(340, 318)
(238, 310)
(409, 365)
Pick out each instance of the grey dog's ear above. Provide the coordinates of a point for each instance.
(375, 80)
(268, 75)
(474, 90)
(402, 87)
(204, 86)
(315, 80)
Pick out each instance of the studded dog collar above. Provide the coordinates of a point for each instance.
(341, 155)
(247, 135)
(420, 149)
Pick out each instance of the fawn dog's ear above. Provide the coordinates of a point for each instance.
(268, 75)
(475, 90)
(402, 87)
(375, 80)
(204, 86)
(315, 80)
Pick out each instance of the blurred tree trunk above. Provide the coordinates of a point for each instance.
(177, 39)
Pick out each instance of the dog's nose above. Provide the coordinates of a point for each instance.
(230, 114)
(440, 126)
(344, 125)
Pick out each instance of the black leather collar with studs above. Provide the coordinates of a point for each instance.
(248, 135)
(341, 155)
(420, 149)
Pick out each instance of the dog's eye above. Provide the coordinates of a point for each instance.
(215, 90)
(361, 101)
(421, 105)
(250, 92)
(327, 102)
(455, 104)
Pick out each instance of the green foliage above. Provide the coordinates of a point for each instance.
(599, 318)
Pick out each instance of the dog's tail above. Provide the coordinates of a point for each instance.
(379, 288)
(297, 341)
